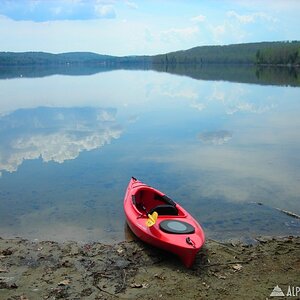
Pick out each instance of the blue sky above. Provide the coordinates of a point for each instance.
(121, 27)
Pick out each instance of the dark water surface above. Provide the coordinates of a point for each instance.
(69, 145)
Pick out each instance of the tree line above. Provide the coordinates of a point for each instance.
(277, 53)
(264, 53)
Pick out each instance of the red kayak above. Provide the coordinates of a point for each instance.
(159, 221)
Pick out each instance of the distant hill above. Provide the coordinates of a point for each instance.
(44, 58)
(251, 53)
(264, 53)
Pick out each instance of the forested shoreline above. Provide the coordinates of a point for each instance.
(264, 53)
(71, 58)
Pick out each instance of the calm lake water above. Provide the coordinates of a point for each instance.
(69, 145)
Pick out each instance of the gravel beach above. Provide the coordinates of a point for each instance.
(133, 270)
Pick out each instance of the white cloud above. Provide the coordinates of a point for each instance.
(198, 19)
(56, 10)
(286, 6)
(5, 18)
(179, 33)
(106, 2)
(218, 32)
(148, 35)
(105, 11)
(228, 33)
(250, 18)
(240, 28)
(241, 18)
(131, 4)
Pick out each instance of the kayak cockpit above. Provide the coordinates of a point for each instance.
(147, 200)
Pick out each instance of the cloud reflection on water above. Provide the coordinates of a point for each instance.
(215, 137)
(54, 134)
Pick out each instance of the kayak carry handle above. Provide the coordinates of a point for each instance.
(190, 242)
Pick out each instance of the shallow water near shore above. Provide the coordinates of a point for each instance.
(227, 151)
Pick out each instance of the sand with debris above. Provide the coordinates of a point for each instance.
(134, 270)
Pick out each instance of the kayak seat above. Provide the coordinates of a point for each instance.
(165, 199)
(165, 209)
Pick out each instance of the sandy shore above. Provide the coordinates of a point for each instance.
(133, 270)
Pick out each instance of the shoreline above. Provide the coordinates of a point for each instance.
(133, 270)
